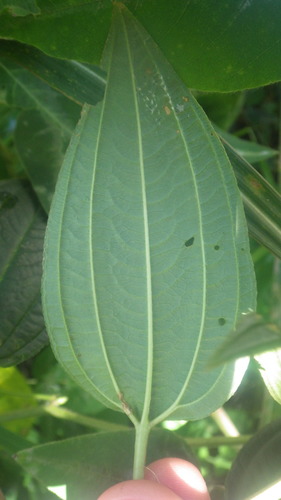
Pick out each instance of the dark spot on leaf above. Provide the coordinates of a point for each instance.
(221, 321)
(189, 242)
(242, 249)
(216, 247)
(7, 200)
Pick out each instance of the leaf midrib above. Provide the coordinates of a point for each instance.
(149, 366)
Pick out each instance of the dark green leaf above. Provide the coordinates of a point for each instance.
(257, 466)
(20, 7)
(23, 90)
(214, 46)
(261, 203)
(90, 464)
(251, 336)
(80, 82)
(147, 265)
(11, 442)
(22, 228)
(41, 146)
(43, 131)
(222, 108)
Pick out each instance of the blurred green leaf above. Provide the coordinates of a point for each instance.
(23, 90)
(22, 228)
(11, 442)
(79, 82)
(261, 203)
(90, 464)
(213, 46)
(43, 130)
(222, 108)
(20, 7)
(251, 336)
(250, 151)
(257, 466)
(15, 394)
(41, 145)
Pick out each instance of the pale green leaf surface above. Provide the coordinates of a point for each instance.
(147, 265)
(90, 464)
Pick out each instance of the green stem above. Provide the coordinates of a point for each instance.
(63, 413)
(216, 441)
(141, 441)
(66, 414)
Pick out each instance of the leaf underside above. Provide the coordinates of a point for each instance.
(147, 265)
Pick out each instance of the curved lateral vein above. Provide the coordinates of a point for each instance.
(149, 371)
(91, 253)
(74, 354)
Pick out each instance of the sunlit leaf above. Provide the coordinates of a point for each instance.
(22, 228)
(251, 336)
(270, 370)
(147, 265)
(89, 464)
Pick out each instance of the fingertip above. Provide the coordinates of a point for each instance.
(139, 489)
(180, 476)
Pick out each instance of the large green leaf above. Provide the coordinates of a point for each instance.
(219, 46)
(147, 265)
(22, 227)
(90, 464)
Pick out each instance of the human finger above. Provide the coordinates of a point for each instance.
(139, 489)
(180, 476)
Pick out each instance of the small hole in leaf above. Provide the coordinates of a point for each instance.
(216, 247)
(222, 321)
(189, 242)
